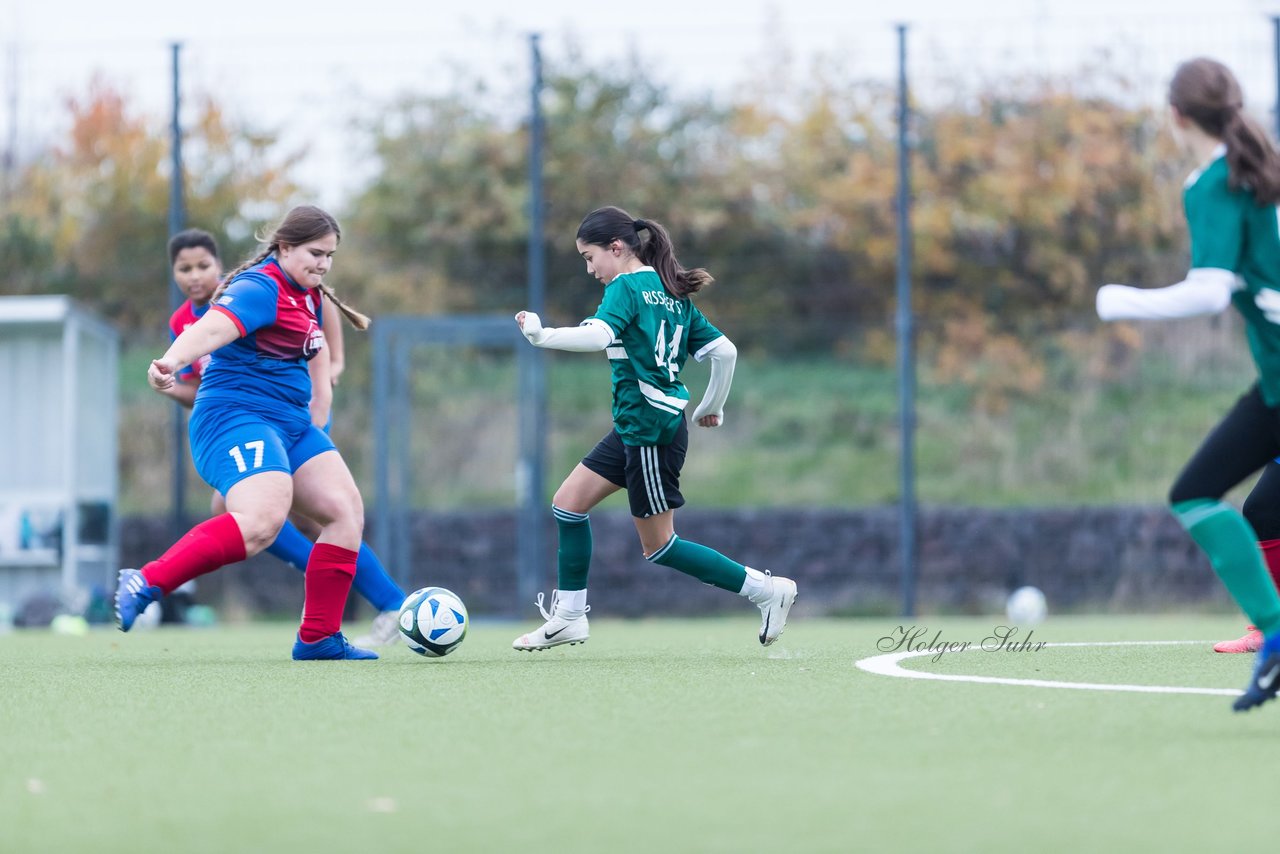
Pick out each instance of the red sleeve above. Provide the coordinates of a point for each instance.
(229, 314)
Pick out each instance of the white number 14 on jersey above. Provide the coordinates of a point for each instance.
(665, 355)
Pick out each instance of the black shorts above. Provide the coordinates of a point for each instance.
(649, 473)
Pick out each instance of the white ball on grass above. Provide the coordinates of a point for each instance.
(1026, 606)
(433, 621)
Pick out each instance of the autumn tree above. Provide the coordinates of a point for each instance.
(1027, 195)
(1029, 198)
(90, 217)
(442, 225)
(445, 221)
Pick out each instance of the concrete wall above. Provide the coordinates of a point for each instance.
(845, 561)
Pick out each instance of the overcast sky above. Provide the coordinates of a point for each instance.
(312, 75)
(139, 20)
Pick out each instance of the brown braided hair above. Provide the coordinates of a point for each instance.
(300, 225)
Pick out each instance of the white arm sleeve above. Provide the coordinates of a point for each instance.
(1206, 290)
(723, 357)
(590, 336)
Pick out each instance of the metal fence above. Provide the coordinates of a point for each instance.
(1026, 442)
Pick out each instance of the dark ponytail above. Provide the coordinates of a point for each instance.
(605, 225)
(1207, 93)
(1252, 158)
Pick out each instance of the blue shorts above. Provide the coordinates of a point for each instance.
(229, 445)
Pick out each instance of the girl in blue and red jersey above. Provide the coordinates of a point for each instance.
(193, 256)
(197, 269)
(254, 435)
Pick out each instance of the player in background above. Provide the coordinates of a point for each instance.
(197, 269)
(647, 325)
(1230, 205)
(254, 433)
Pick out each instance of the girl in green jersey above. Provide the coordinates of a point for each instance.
(647, 325)
(1230, 203)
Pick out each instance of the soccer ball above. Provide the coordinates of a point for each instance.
(433, 621)
(1026, 607)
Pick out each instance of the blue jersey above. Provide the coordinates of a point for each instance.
(280, 322)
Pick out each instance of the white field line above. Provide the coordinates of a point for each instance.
(889, 665)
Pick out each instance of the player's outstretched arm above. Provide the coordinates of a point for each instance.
(590, 336)
(723, 356)
(1205, 290)
(201, 338)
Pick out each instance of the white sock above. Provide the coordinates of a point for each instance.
(757, 586)
(571, 603)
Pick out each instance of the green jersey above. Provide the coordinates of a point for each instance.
(1230, 231)
(653, 335)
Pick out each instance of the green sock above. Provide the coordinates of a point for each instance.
(706, 565)
(573, 558)
(1232, 548)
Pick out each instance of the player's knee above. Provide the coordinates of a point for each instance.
(1184, 490)
(345, 512)
(353, 509)
(357, 517)
(261, 528)
(564, 500)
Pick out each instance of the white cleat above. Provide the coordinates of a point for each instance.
(384, 630)
(559, 628)
(774, 610)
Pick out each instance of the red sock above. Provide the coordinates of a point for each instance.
(213, 543)
(1271, 553)
(328, 581)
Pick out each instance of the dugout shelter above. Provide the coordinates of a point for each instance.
(58, 428)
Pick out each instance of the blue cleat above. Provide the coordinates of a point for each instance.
(333, 648)
(1265, 681)
(133, 595)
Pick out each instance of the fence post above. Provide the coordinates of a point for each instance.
(532, 369)
(906, 341)
(177, 221)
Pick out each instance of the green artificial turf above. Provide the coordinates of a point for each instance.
(654, 736)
